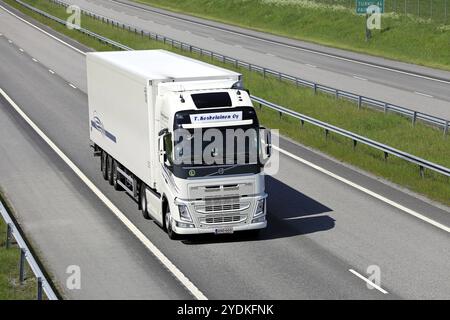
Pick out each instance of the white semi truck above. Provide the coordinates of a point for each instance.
(152, 116)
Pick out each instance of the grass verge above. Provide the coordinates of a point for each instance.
(402, 37)
(10, 287)
(390, 129)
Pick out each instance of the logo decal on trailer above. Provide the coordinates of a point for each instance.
(98, 124)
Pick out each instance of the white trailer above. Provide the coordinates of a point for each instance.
(149, 113)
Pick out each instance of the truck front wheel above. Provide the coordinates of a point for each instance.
(168, 219)
(143, 198)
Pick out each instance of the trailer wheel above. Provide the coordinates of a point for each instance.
(143, 201)
(104, 165)
(115, 177)
(168, 222)
(109, 170)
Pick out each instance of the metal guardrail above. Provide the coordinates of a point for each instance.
(360, 100)
(422, 163)
(26, 255)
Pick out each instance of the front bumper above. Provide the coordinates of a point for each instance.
(236, 228)
(238, 218)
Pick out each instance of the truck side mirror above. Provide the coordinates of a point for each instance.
(265, 139)
(165, 149)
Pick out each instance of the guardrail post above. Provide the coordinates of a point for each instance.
(385, 108)
(280, 114)
(336, 93)
(326, 134)
(264, 72)
(39, 288)
(315, 88)
(386, 156)
(8, 235)
(354, 144)
(447, 124)
(422, 171)
(414, 118)
(22, 266)
(359, 102)
(302, 122)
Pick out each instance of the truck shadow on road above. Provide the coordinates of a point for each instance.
(290, 213)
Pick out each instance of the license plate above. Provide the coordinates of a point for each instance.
(224, 231)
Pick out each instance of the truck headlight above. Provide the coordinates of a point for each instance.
(260, 206)
(184, 213)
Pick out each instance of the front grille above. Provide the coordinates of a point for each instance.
(227, 219)
(222, 207)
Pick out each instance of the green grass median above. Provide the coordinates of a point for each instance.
(391, 129)
(10, 287)
(406, 38)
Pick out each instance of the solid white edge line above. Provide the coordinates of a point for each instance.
(34, 59)
(43, 31)
(158, 254)
(21, 50)
(368, 281)
(51, 71)
(293, 47)
(147, 243)
(367, 191)
(72, 86)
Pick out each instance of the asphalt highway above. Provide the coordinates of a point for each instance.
(415, 87)
(322, 230)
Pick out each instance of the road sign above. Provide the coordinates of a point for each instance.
(362, 5)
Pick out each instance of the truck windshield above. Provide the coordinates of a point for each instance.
(223, 150)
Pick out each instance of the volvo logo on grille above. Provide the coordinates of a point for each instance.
(221, 171)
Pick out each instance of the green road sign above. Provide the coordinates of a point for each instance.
(362, 5)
